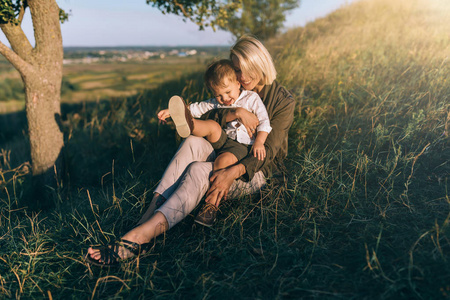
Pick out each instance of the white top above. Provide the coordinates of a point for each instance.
(235, 130)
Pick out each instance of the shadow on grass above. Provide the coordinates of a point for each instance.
(104, 140)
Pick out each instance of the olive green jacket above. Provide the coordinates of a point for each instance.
(280, 107)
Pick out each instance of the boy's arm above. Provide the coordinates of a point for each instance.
(199, 108)
(163, 115)
(259, 151)
(219, 115)
(261, 137)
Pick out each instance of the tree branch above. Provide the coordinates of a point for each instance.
(18, 40)
(47, 28)
(21, 13)
(181, 7)
(21, 65)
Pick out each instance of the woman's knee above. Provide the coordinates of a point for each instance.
(198, 146)
(194, 142)
(199, 169)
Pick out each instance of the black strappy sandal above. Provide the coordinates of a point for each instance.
(109, 254)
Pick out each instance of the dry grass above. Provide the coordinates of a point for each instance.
(365, 213)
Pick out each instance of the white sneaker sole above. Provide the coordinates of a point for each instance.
(178, 115)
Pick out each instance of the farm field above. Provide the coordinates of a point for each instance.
(364, 214)
(103, 81)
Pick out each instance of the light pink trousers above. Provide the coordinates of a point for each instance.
(186, 180)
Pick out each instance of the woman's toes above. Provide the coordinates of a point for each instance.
(94, 253)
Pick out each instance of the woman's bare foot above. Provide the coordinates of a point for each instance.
(140, 235)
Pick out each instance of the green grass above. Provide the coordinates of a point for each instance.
(365, 213)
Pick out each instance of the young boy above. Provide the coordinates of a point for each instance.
(231, 144)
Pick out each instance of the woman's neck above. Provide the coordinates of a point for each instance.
(259, 89)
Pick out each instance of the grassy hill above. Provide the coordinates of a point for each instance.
(365, 214)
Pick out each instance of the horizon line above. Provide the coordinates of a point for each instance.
(143, 46)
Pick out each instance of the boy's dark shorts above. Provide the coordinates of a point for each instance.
(225, 144)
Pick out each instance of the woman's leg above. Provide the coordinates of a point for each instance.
(141, 234)
(156, 202)
(192, 149)
(207, 215)
(187, 196)
(193, 185)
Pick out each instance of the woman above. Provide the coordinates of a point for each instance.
(188, 177)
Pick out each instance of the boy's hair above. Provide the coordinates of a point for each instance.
(254, 59)
(217, 72)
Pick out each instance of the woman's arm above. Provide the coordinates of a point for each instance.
(245, 117)
(225, 115)
(281, 121)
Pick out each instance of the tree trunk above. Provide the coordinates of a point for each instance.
(42, 94)
(43, 110)
(41, 71)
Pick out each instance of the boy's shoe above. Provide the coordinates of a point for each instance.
(181, 116)
(207, 215)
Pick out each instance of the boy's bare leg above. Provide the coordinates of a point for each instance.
(156, 202)
(209, 129)
(208, 213)
(224, 160)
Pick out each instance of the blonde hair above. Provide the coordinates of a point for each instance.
(217, 72)
(254, 59)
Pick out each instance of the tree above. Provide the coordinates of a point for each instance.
(262, 18)
(202, 12)
(41, 68)
(41, 71)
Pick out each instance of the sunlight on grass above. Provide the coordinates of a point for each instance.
(364, 215)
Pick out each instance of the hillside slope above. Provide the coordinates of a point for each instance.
(365, 212)
(370, 147)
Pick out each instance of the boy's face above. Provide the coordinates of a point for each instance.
(229, 93)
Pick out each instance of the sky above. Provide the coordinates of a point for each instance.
(114, 23)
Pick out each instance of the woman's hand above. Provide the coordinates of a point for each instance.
(220, 183)
(163, 115)
(248, 119)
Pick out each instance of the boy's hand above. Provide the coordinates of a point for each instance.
(259, 151)
(163, 115)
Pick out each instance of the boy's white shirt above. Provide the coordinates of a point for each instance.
(235, 130)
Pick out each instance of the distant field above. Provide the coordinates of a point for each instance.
(99, 81)
(94, 82)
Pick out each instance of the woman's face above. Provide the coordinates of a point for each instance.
(247, 81)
